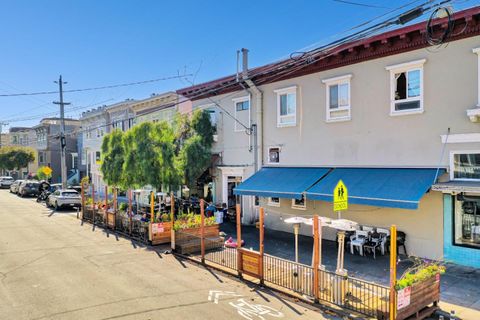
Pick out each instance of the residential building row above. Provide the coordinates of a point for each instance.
(394, 119)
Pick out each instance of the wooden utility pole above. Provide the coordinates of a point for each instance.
(316, 257)
(63, 141)
(172, 219)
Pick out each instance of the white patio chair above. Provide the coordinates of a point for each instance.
(368, 229)
(358, 240)
(385, 233)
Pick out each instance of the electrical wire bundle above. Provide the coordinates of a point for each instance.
(430, 32)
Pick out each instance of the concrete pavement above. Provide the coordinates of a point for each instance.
(53, 267)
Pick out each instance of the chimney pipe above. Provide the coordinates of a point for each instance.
(245, 63)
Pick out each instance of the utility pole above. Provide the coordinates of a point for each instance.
(1, 128)
(63, 141)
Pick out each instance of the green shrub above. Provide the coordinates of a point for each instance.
(422, 274)
(123, 206)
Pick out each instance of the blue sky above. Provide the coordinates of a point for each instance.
(97, 43)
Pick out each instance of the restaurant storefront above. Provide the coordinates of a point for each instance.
(378, 198)
(461, 206)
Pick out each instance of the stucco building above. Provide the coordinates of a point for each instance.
(392, 119)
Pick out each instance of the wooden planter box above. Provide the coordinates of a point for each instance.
(87, 213)
(160, 232)
(189, 240)
(110, 219)
(422, 295)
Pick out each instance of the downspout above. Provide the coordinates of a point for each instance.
(257, 128)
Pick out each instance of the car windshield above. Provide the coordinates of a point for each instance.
(70, 194)
(32, 185)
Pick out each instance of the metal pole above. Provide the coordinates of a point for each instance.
(393, 272)
(93, 204)
(296, 228)
(130, 213)
(62, 134)
(255, 146)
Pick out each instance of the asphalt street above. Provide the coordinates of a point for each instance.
(54, 267)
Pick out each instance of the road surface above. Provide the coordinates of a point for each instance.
(53, 267)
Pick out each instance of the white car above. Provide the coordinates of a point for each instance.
(6, 182)
(64, 198)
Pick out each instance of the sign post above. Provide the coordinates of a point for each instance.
(340, 198)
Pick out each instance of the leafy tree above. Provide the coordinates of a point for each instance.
(113, 151)
(150, 156)
(12, 158)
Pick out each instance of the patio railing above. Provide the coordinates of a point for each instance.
(221, 255)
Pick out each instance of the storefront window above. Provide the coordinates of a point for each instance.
(467, 221)
(466, 166)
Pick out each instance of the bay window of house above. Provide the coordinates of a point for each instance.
(273, 202)
(242, 113)
(406, 87)
(274, 155)
(466, 220)
(286, 106)
(299, 203)
(338, 98)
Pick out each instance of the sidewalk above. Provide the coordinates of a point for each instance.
(460, 286)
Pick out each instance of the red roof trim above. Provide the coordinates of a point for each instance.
(389, 43)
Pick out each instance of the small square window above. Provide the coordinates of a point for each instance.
(242, 105)
(242, 113)
(274, 155)
(299, 203)
(274, 202)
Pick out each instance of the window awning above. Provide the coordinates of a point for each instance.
(381, 187)
(280, 182)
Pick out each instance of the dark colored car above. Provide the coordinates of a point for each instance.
(28, 188)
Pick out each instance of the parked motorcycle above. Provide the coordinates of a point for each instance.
(43, 191)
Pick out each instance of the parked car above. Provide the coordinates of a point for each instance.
(15, 185)
(6, 182)
(64, 198)
(28, 188)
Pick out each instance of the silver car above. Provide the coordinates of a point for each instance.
(64, 198)
(14, 186)
(6, 182)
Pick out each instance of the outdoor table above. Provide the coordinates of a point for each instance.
(371, 246)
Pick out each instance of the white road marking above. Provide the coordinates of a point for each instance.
(214, 295)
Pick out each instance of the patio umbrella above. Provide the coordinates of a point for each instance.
(296, 221)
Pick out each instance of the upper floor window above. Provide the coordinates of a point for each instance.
(465, 165)
(286, 107)
(338, 98)
(242, 113)
(406, 87)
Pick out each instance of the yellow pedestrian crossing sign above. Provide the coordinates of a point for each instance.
(340, 197)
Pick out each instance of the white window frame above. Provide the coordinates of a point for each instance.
(452, 164)
(400, 68)
(268, 155)
(273, 204)
(280, 92)
(345, 79)
(237, 127)
(299, 207)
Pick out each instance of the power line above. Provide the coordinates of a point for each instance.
(361, 4)
(95, 88)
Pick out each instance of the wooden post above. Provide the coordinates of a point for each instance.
(83, 200)
(93, 206)
(239, 239)
(105, 213)
(202, 229)
(115, 207)
(130, 213)
(261, 241)
(316, 257)
(152, 207)
(393, 272)
(172, 219)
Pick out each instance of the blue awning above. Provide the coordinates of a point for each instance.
(385, 187)
(280, 182)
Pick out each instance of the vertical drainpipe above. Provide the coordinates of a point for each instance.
(257, 128)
